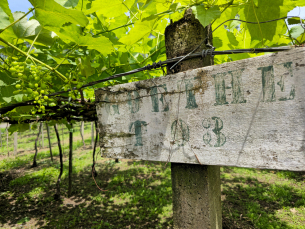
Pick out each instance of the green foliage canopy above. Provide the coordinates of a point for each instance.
(68, 43)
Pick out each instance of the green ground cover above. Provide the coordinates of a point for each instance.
(26, 140)
(137, 194)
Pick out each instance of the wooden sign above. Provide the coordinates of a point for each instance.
(247, 113)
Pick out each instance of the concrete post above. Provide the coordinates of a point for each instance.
(15, 143)
(92, 135)
(196, 188)
(42, 142)
(0, 137)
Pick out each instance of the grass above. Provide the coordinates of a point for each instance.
(137, 194)
(27, 139)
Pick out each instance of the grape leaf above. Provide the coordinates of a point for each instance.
(25, 28)
(4, 19)
(19, 128)
(264, 11)
(67, 3)
(73, 33)
(206, 16)
(296, 31)
(140, 30)
(6, 10)
(84, 64)
(51, 14)
(301, 38)
(293, 21)
(113, 8)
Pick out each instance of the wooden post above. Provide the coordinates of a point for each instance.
(196, 188)
(15, 143)
(92, 135)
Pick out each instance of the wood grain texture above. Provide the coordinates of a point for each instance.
(248, 113)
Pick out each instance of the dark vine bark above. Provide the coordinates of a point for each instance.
(94, 148)
(36, 150)
(70, 160)
(50, 145)
(57, 195)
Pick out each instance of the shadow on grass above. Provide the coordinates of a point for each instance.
(249, 203)
(138, 196)
(135, 198)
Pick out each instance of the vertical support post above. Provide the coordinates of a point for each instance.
(63, 140)
(8, 152)
(42, 143)
(92, 135)
(196, 188)
(1, 137)
(15, 143)
(49, 139)
(70, 160)
(82, 132)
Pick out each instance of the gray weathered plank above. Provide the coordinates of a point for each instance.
(247, 113)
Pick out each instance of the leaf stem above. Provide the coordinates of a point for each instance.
(151, 54)
(114, 28)
(130, 10)
(66, 54)
(289, 33)
(33, 44)
(1, 31)
(33, 58)
(4, 61)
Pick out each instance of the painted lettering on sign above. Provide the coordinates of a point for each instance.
(134, 101)
(235, 85)
(268, 82)
(218, 126)
(138, 131)
(190, 95)
(180, 132)
(111, 109)
(220, 88)
(283, 83)
(154, 92)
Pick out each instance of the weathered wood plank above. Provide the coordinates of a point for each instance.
(248, 113)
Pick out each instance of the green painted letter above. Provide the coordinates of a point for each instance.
(138, 131)
(181, 128)
(220, 89)
(155, 99)
(237, 86)
(134, 104)
(190, 96)
(268, 83)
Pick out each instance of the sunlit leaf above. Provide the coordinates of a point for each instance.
(51, 14)
(206, 16)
